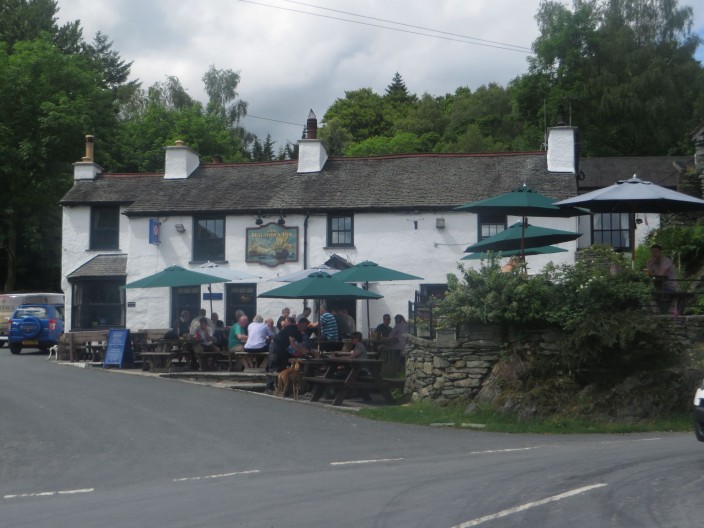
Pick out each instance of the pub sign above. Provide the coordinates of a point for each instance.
(272, 244)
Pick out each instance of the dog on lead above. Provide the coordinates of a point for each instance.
(289, 377)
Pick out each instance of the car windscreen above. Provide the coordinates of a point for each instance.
(30, 311)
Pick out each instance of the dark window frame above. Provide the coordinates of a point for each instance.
(613, 231)
(104, 227)
(492, 222)
(100, 303)
(334, 230)
(204, 248)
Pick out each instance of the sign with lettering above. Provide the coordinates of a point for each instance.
(212, 296)
(119, 348)
(272, 244)
(154, 231)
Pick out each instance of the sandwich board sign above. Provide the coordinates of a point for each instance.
(119, 348)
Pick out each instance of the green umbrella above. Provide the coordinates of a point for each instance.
(522, 236)
(544, 250)
(319, 285)
(522, 201)
(369, 271)
(175, 276)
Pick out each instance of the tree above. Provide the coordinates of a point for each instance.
(362, 113)
(49, 100)
(624, 70)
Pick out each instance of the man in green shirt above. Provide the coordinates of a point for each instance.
(238, 335)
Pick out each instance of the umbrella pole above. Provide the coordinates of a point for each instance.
(632, 230)
(369, 322)
(210, 296)
(524, 221)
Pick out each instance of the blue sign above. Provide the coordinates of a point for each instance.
(212, 296)
(119, 348)
(154, 231)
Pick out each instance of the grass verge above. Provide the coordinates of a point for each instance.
(427, 414)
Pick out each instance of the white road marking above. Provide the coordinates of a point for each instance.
(626, 440)
(48, 493)
(490, 451)
(528, 505)
(221, 475)
(348, 462)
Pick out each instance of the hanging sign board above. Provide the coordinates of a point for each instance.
(154, 231)
(272, 244)
(119, 348)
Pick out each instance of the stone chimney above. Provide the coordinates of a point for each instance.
(181, 161)
(311, 151)
(86, 169)
(563, 149)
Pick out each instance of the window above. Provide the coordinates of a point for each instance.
(105, 227)
(209, 239)
(611, 229)
(490, 224)
(98, 304)
(340, 230)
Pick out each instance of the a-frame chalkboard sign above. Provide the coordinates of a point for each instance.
(119, 348)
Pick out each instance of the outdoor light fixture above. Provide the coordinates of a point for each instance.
(281, 221)
(180, 228)
(259, 220)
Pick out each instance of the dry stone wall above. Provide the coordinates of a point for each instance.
(455, 371)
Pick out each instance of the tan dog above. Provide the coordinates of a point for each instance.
(290, 376)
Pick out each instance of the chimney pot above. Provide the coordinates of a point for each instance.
(179, 143)
(89, 149)
(312, 126)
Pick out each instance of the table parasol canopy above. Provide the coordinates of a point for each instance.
(319, 285)
(302, 274)
(521, 236)
(369, 271)
(543, 250)
(227, 273)
(175, 276)
(522, 201)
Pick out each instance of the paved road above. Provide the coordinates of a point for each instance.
(90, 448)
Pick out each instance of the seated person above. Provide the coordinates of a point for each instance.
(238, 335)
(259, 335)
(218, 329)
(359, 351)
(202, 340)
(384, 328)
(195, 323)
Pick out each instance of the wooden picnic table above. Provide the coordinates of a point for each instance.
(363, 375)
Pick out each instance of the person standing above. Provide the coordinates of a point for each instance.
(661, 269)
(328, 325)
(285, 313)
(383, 329)
(399, 332)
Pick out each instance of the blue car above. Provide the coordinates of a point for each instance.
(35, 326)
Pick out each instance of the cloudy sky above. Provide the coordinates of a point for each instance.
(294, 56)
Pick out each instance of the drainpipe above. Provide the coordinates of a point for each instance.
(305, 248)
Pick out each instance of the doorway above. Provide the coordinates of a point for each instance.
(184, 298)
(240, 297)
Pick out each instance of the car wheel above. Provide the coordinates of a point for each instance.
(15, 349)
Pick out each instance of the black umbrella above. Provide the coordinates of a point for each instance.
(634, 196)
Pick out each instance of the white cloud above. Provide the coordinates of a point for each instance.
(291, 62)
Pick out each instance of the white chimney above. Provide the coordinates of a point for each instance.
(563, 149)
(311, 151)
(181, 161)
(86, 169)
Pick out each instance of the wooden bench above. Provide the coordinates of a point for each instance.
(252, 361)
(157, 361)
(81, 343)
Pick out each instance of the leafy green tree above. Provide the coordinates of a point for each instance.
(623, 69)
(362, 113)
(397, 93)
(48, 101)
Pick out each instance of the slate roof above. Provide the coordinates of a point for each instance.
(386, 183)
(602, 172)
(101, 266)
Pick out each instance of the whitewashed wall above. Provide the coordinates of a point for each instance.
(390, 239)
